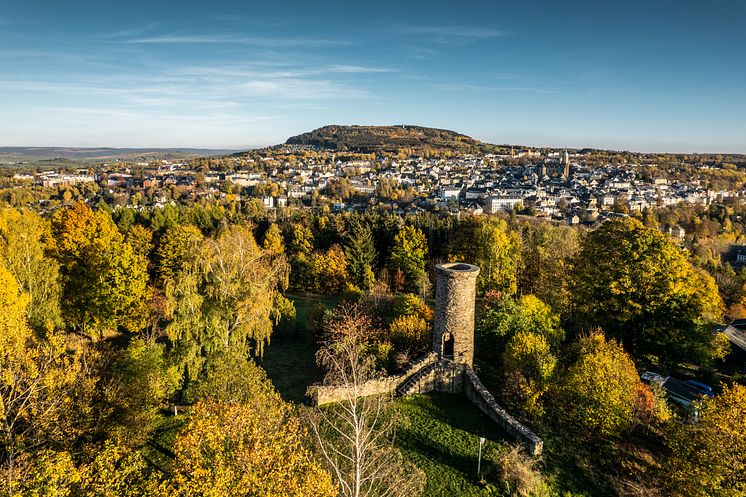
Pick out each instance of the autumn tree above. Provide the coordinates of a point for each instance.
(245, 450)
(135, 387)
(141, 240)
(708, 454)
(597, 392)
(42, 388)
(356, 435)
(547, 252)
(224, 298)
(327, 271)
(505, 317)
(174, 249)
(115, 470)
(409, 256)
(24, 236)
(637, 284)
(104, 280)
(528, 366)
(494, 247)
(273, 244)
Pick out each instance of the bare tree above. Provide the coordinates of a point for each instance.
(356, 435)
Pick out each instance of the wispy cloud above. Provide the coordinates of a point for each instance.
(451, 34)
(454, 31)
(228, 39)
(461, 87)
(289, 71)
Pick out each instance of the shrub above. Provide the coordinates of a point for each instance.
(410, 333)
(516, 471)
(528, 366)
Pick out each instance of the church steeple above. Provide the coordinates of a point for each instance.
(566, 164)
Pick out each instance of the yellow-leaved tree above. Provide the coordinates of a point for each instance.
(597, 393)
(708, 455)
(239, 450)
(638, 285)
(24, 236)
(42, 389)
(104, 280)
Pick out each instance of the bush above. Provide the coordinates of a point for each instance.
(408, 304)
(516, 471)
(410, 334)
(528, 366)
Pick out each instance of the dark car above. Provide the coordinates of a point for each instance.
(701, 387)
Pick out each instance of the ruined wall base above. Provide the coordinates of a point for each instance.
(430, 374)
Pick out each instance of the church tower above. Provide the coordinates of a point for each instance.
(566, 164)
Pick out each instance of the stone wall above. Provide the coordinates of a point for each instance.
(483, 399)
(430, 374)
(327, 394)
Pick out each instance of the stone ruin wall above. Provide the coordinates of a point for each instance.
(483, 399)
(441, 376)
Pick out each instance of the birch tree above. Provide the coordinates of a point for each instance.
(356, 435)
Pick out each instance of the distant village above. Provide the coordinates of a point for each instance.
(556, 185)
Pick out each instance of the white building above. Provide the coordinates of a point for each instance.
(498, 203)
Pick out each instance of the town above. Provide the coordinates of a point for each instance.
(558, 185)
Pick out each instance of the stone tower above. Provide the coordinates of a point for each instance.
(455, 297)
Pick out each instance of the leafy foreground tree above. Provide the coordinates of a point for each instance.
(547, 253)
(408, 258)
(224, 298)
(505, 317)
(41, 389)
(494, 247)
(24, 236)
(637, 284)
(241, 440)
(242, 450)
(598, 392)
(528, 366)
(104, 280)
(356, 435)
(708, 456)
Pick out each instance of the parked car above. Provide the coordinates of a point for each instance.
(701, 387)
(681, 392)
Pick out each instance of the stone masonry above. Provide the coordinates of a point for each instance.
(455, 297)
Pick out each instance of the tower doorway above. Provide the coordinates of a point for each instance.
(448, 346)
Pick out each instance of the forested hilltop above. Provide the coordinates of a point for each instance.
(368, 139)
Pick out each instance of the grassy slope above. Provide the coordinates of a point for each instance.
(441, 437)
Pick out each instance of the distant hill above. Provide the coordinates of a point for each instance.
(20, 154)
(370, 139)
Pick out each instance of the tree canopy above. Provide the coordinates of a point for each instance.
(637, 285)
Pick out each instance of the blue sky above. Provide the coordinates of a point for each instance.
(652, 75)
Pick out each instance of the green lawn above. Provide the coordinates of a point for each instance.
(290, 359)
(441, 436)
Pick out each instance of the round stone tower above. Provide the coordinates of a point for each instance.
(455, 297)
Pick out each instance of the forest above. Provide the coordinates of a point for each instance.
(116, 323)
